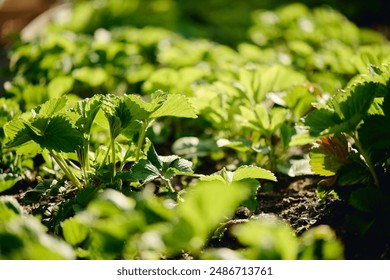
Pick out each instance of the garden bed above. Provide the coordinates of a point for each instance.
(123, 140)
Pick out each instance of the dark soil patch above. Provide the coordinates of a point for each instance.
(298, 204)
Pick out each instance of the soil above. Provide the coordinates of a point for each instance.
(299, 205)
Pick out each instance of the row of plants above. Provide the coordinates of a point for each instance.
(160, 174)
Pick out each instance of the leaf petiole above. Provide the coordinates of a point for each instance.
(65, 168)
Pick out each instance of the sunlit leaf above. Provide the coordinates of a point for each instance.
(52, 106)
(320, 243)
(195, 210)
(328, 155)
(175, 105)
(74, 231)
(7, 181)
(253, 172)
(267, 238)
(242, 173)
(9, 208)
(91, 76)
(59, 86)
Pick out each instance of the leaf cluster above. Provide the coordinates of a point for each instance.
(352, 150)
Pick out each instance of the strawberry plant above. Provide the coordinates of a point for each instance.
(256, 114)
(346, 124)
(59, 130)
(352, 151)
(220, 130)
(310, 40)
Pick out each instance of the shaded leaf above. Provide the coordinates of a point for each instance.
(144, 170)
(321, 120)
(153, 157)
(56, 133)
(87, 110)
(117, 113)
(182, 166)
(373, 133)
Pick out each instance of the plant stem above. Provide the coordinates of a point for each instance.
(113, 159)
(367, 160)
(170, 186)
(65, 168)
(82, 154)
(141, 140)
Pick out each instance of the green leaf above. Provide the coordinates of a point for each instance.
(59, 86)
(153, 157)
(373, 135)
(25, 238)
(144, 170)
(321, 120)
(194, 147)
(140, 109)
(253, 172)
(175, 105)
(328, 155)
(320, 243)
(242, 173)
(344, 112)
(358, 100)
(74, 231)
(9, 208)
(91, 76)
(258, 82)
(117, 113)
(7, 181)
(52, 106)
(204, 207)
(56, 133)
(299, 100)
(20, 138)
(279, 116)
(267, 238)
(87, 110)
(262, 116)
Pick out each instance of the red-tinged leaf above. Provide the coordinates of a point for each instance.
(328, 155)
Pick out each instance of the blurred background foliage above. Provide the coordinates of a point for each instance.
(219, 20)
